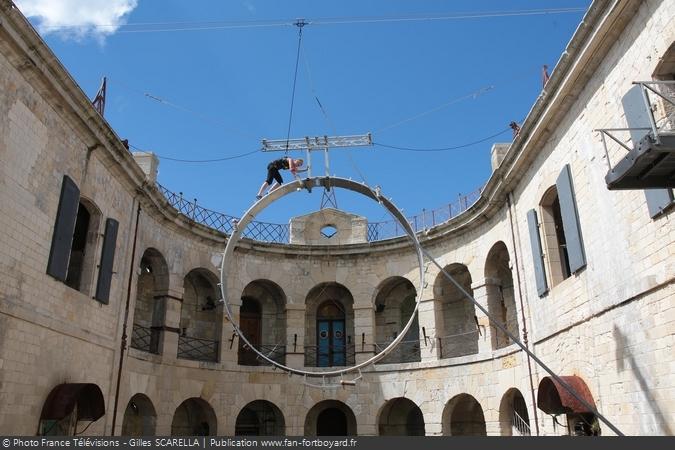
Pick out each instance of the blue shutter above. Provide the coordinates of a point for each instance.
(64, 227)
(570, 218)
(658, 200)
(537, 254)
(105, 270)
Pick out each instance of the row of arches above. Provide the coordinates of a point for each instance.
(462, 416)
(330, 337)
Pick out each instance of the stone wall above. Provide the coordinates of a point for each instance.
(611, 324)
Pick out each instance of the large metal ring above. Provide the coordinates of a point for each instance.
(309, 183)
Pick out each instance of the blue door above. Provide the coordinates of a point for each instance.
(331, 348)
(339, 343)
(323, 343)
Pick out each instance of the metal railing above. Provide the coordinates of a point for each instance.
(460, 344)
(520, 425)
(145, 338)
(275, 352)
(345, 355)
(405, 351)
(259, 231)
(280, 233)
(197, 349)
(378, 231)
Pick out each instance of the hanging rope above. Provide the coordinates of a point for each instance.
(299, 23)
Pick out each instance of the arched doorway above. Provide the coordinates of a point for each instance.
(331, 422)
(463, 416)
(262, 319)
(394, 304)
(456, 324)
(514, 420)
(330, 334)
(140, 417)
(330, 418)
(500, 294)
(260, 418)
(401, 417)
(329, 326)
(194, 417)
(250, 324)
(200, 317)
(152, 288)
(67, 406)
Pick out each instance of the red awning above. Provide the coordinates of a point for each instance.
(553, 398)
(63, 398)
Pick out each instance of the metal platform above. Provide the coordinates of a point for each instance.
(649, 165)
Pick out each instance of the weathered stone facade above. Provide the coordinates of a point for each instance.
(611, 323)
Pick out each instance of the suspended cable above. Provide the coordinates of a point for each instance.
(443, 149)
(472, 95)
(203, 117)
(299, 23)
(226, 158)
(152, 27)
(328, 119)
(457, 16)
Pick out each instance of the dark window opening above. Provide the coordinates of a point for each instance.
(77, 249)
(560, 236)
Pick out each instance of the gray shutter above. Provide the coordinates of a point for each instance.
(570, 218)
(64, 227)
(105, 270)
(636, 113)
(537, 254)
(657, 200)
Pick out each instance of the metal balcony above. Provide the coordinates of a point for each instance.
(649, 161)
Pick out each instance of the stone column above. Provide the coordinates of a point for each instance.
(229, 341)
(429, 349)
(171, 303)
(364, 332)
(481, 291)
(295, 335)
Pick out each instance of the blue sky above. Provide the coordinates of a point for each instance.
(226, 88)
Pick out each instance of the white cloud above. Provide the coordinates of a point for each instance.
(78, 18)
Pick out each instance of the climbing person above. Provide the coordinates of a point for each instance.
(273, 169)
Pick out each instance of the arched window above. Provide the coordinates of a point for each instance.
(557, 243)
(72, 258)
(554, 237)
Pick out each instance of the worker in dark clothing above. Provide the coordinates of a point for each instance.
(273, 168)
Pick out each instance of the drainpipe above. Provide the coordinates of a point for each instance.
(123, 344)
(522, 311)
